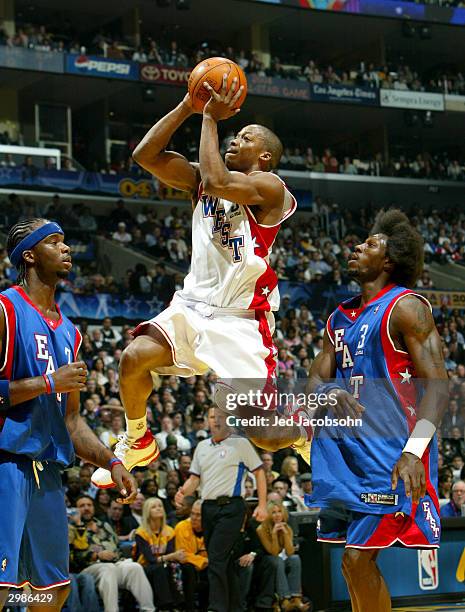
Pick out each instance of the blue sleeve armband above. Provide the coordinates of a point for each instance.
(4, 395)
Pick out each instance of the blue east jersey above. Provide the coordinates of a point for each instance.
(352, 465)
(34, 346)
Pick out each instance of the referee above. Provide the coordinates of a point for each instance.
(219, 468)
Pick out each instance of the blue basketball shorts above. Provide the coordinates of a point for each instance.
(34, 545)
(420, 529)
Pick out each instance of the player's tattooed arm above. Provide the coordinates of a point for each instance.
(413, 328)
(89, 448)
(323, 371)
(170, 167)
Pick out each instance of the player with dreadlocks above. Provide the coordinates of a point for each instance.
(381, 363)
(40, 426)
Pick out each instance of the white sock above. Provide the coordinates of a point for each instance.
(136, 427)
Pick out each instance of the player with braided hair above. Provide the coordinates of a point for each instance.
(40, 426)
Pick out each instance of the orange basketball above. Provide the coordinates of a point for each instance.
(211, 70)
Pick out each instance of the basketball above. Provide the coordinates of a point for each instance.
(211, 70)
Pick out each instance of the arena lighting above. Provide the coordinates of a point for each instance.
(148, 93)
(183, 5)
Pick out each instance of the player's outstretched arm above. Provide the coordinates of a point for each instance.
(412, 325)
(321, 381)
(171, 168)
(89, 448)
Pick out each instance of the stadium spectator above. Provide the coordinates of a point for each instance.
(189, 538)
(155, 551)
(455, 505)
(276, 537)
(100, 557)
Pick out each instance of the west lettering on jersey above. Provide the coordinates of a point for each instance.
(221, 225)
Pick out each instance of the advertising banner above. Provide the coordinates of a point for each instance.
(455, 103)
(104, 67)
(126, 186)
(415, 100)
(324, 92)
(102, 305)
(402, 9)
(153, 73)
(277, 88)
(29, 59)
(451, 299)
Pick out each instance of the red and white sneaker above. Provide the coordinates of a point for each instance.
(132, 453)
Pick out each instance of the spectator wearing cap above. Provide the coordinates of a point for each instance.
(198, 432)
(306, 483)
(454, 507)
(219, 468)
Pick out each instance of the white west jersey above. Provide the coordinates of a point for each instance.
(230, 255)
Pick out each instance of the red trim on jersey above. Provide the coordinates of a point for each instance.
(358, 311)
(268, 281)
(329, 328)
(10, 323)
(77, 342)
(270, 361)
(393, 528)
(398, 361)
(429, 486)
(50, 322)
(10, 326)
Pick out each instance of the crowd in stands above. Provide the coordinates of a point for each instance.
(392, 75)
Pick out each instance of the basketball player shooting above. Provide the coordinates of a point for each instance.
(40, 426)
(222, 318)
(377, 483)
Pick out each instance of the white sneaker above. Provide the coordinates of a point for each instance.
(132, 453)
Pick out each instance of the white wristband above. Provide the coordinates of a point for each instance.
(420, 437)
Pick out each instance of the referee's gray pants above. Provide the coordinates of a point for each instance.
(222, 526)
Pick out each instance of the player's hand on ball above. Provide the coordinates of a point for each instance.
(412, 471)
(70, 377)
(125, 483)
(346, 404)
(223, 105)
(187, 102)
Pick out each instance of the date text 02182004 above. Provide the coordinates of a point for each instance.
(25, 598)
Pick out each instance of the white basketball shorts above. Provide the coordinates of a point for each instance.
(235, 344)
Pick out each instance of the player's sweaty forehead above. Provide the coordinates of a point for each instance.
(379, 239)
(250, 130)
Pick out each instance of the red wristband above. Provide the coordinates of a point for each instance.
(114, 461)
(47, 384)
